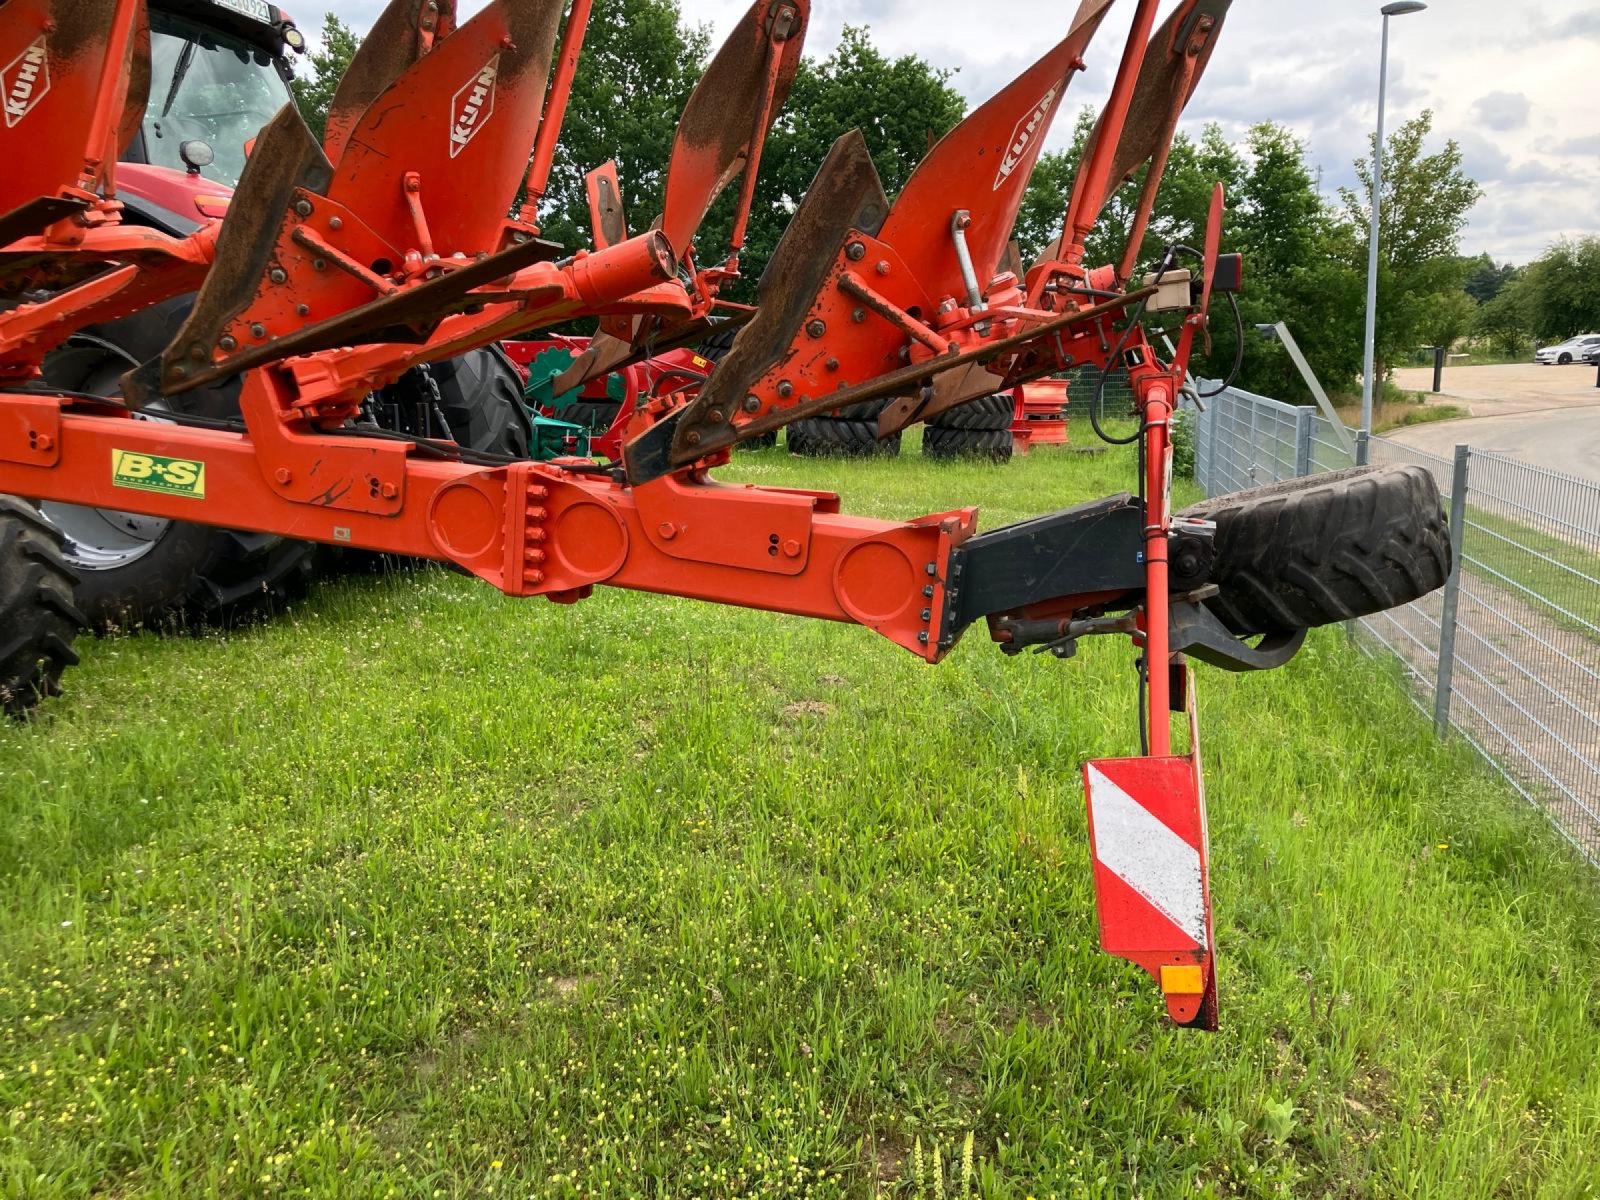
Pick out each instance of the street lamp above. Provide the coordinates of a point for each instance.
(1399, 8)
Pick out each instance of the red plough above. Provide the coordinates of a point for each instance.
(343, 265)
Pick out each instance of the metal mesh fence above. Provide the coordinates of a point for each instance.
(1508, 654)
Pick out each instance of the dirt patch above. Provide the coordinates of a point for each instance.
(806, 708)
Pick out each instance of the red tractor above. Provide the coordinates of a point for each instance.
(343, 265)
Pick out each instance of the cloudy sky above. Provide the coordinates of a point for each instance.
(1515, 82)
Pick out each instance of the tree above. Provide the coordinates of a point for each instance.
(1503, 321)
(328, 64)
(1485, 280)
(1447, 318)
(1426, 198)
(1561, 290)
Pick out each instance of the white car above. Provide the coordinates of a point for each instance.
(1572, 350)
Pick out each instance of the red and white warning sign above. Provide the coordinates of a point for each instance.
(1147, 829)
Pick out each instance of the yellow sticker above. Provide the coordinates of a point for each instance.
(156, 473)
(1182, 980)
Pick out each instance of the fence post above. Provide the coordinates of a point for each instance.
(1304, 427)
(1452, 594)
(1363, 448)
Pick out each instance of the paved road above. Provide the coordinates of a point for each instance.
(1515, 387)
(1559, 439)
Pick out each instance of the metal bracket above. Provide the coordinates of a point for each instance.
(1197, 632)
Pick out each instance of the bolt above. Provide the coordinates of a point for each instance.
(537, 514)
(855, 251)
(258, 330)
(44, 441)
(536, 535)
(858, 315)
(932, 569)
(923, 637)
(538, 491)
(197, 353)
(277, 275)
(785, 389)
(832, 364)
(180, 371)
(388, 491)
(752, 404)
(227, 342)
(714, 417)
(282, 475)
(335, 223)
(693, 437)
(302, 310)
(534, 576)
(927, 614)
(319, 264)
(816, 328)
(533, 555)
(667, 530)
(791, 548)
(881, 266)
(947, 306)
(303, 207)
(928, 591)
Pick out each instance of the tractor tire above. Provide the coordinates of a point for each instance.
(987, 412)
(137, 570)
(38, 619)
(480, 394)
(944, 444)
(1314, 551)
(834, 437)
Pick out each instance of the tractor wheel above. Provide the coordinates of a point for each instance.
(135, 569)
(843, 437)
(943, 444)
(986, 412)
(1308, 552)
(37, 617)
(480, 394)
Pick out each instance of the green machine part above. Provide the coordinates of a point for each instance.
(552, 436)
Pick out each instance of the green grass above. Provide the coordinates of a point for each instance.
(428, 892)
(1564, 574)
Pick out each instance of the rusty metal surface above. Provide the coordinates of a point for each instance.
(715, 129)
(1163, 89)
(949, 390)
(137, 68)
(397, 39)
(463, 119)
(846, 194)
(606, 215)
(286, 157)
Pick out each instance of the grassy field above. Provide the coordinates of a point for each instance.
(425, 892)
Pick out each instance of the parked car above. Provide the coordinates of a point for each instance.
(1593, 357)
(1570, 351)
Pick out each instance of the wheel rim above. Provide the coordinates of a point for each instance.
(104, 539)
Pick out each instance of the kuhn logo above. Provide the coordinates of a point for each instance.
(1023, 135)
(472, 106)
(25, 81)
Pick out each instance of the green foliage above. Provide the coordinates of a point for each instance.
(314, 92)
(1560, 291)
(1183, 443)
(1504, 322)
(1426, 199)
(1447, 318)
(1486, 280)
(430, 891)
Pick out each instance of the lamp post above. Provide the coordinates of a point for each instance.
(1399, 8)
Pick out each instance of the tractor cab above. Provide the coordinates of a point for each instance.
(219, 71)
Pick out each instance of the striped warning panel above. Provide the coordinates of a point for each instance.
(1147, 830)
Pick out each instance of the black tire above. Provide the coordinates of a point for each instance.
(480, 394)
(1564, 360)
(1308, 552)
(136, 570)
(994, 445)
(987, 412)
(38, 619)
(831, 437)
